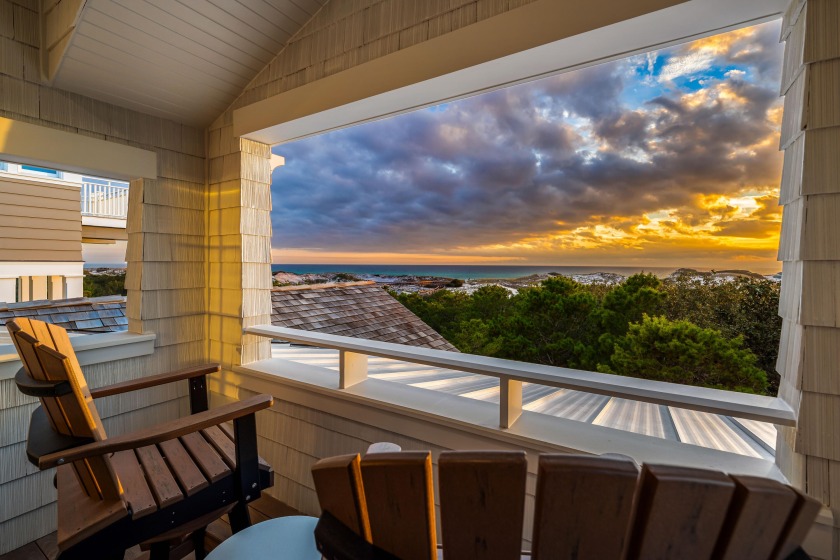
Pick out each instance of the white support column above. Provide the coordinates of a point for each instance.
(352, 368)
(55, 287)
(510, 402)
(8, 290)
(74, 286)
(23, 289)
(38, 287)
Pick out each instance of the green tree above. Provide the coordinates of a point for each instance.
(745, 306)
(686, 329)
(98, 285)
(681, 352)
(442, 310)
(551, 324)
(624, 304)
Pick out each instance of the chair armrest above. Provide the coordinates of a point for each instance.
(154, 380)
(160, 433)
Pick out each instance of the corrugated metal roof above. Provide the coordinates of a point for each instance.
(744, 437)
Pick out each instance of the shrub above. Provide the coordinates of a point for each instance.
(682, 352)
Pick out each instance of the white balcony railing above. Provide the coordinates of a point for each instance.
(104, 201)
(353, 354)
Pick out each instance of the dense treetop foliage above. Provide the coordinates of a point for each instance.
(98, 285)
(686, 329)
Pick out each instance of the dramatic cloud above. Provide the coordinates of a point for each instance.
(671, 155)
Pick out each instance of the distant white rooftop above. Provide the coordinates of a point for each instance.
(744, 437)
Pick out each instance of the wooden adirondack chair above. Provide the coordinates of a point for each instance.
(151, 486)
(587, 507)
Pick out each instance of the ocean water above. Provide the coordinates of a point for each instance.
(463, 272)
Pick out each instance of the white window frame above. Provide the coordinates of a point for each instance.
(37, 171)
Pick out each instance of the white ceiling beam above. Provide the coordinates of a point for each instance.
(539, 39)
(31, 144)
(59, 19)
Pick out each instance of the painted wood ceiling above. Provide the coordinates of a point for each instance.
(184, 60)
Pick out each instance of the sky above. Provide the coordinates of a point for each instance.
(664, 159)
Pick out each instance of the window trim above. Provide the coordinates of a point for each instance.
(37, 171)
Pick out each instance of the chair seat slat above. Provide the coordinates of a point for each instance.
(135, 486)
(207, 459)
(223, 445)
(183, 466)
(161, 481)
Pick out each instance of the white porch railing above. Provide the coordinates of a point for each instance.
(104, 201)
(511, 375)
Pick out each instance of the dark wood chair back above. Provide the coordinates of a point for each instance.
(338, 482)
(482, 503)
(583, 506)
(586, 507)
(399, 493)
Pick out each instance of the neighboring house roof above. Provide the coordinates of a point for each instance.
(85, 315)
(357, 309)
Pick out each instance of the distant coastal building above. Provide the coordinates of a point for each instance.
(357, 309)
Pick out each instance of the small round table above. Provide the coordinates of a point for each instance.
(283, 538)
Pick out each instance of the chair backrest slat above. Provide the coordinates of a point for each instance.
(482, 503)
(25, 344)
(587, 507)
(95, 473)
(47, 354)
(400, 499)
(338, 482)
(757, 515)
(584, 506)
(680, 512)
(798, 524)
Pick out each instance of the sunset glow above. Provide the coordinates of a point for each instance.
(664, 159)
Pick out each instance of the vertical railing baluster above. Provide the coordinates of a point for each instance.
(352, 368)
(510, 401)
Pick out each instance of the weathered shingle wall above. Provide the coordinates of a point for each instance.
(346, 33)
(166, 253)
(361, 310)
(809, 455)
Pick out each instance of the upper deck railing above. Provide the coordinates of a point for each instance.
(353, 354)
(104, 201)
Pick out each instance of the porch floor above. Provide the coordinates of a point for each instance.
(263, 509)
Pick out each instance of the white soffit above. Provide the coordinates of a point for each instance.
(183, 60)
(357, 95)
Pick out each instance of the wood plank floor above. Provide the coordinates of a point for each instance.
(265, 508)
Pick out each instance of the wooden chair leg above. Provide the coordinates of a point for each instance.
(198, 543)
(239, 517)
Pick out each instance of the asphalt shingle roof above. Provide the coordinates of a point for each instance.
(358, 309)
(84, 315)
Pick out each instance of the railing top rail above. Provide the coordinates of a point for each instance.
(730, 403)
